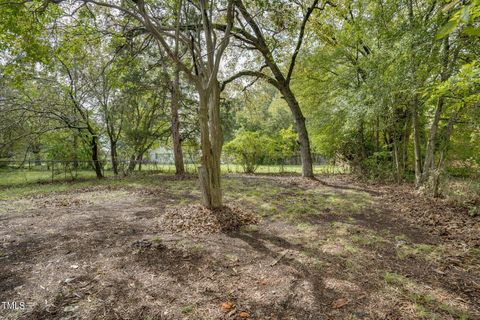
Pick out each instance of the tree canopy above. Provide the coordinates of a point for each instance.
(389, 88)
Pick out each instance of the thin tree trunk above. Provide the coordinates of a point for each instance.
(75, 151)
(414, 103)
(96, 162)
(113, 155)
(396, 154)
(176, 139)
(305, 153)
(175, 90)
(406, 139)
(140, 160)
(437, 172)
(361, 133)
(38, 159)
(432, 141)
(416, 144)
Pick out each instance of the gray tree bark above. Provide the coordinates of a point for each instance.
(211, 144)
(175, 123)
(306, 156)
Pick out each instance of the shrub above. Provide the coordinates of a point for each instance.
(249, 148)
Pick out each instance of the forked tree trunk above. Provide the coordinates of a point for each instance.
(211, 145)
(306, 156)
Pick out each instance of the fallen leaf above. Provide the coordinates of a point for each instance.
(227, 306)
(244, 314)
(337, 304)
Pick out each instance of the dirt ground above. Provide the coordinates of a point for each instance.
(329, 249)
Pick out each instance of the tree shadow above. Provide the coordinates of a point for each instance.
(322, 295)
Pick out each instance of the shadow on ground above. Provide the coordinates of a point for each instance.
(319, 251)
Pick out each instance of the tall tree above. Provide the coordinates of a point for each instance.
(206, 50)
(260, 26)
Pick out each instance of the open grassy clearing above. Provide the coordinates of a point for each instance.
(334, 249)
(14, 177)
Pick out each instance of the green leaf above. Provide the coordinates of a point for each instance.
(471, 31)
(447, 28)
(465, 15)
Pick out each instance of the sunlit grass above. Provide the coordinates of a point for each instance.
(11, 176)
(428, 302)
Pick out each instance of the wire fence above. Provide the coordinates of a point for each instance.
(73, 169)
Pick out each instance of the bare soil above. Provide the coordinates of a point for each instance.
(284, 248)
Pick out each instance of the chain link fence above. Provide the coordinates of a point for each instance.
(72, 169)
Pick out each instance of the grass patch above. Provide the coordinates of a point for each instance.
(188, 309)
(401, 238)
(367, 239)
(427, 303)
(421, 250)
(474, 252)
(251, 228)
(303, 226)
(393, 278)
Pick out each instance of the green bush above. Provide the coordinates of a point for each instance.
(249, 148)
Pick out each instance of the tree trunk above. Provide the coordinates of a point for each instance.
(414, 103)
(96, 162)
(432, 141)
(175, 90)
(211, 145)
(75, 151)
(406, 139)
(175, 122)
(416, 143)
(396, 154)
(132, 163)
(139, 161)
(307, 163)
(113, 155)
(38, 159)
(437, 172)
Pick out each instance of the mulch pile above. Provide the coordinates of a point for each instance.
(196, 219)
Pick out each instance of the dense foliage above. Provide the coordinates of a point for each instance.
(391, 88)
